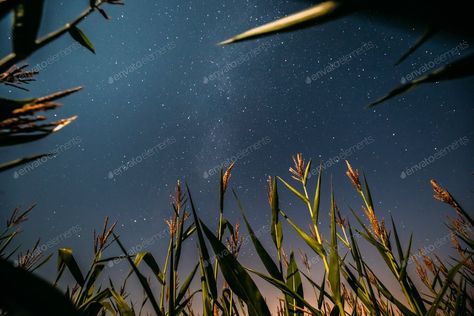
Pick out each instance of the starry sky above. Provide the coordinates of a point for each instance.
(161, 102)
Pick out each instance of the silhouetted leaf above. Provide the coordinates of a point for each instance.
(422, 39)
(81, 38)
(460, 68)
(262, 253)
(23, 293)
(288, 291)
(66, 259)
(18, 162)
(208, 271)
(26, 25)
(236, 276)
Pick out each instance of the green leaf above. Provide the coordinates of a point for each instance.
(189, 232)
(66, 259)
(81, 38)
(122, 305)
(151, 263)
(276, 231)
(206, 300)
(334, 274)
(449, 279)
(288, 291)
(96, 298)
(236, 276)
(89, 287)
(306, 172)
(388, 294)
(208, 271)
(262, 253)
(180, 308)
(187, 282)
(143, 281)
(310, 241)
(317, 196)
(322, 291)
(406, 257)
(293, 281)
(294, 191)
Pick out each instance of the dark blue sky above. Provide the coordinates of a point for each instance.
(159, 87)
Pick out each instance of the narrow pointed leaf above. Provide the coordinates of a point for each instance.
(288, 291)
(262, 253)
(66, 258)
(319, 13)
(460, 68)
(420, 41)
(293, 281)
(238, 279)
(208, 270)
(81, 38)
(185, 286)
(294, 191)
(18, 162)
(334, 261)
(310, 241)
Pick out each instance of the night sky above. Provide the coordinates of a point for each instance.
(163, 99)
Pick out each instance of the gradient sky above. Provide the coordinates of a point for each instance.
(193, 121)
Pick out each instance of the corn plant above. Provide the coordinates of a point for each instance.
(347, 284)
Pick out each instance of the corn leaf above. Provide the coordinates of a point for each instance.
(285, 289)
(262, 253)
(294, 191)
(293, 281)
(66, 259)
(334, 261)
(208, 271)
(319, 13)
(141, 278)
(81, 38)
(151, 263)
(460, 68)
(311, 242)
(236, 276)
(187, 282)
(18, 162)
